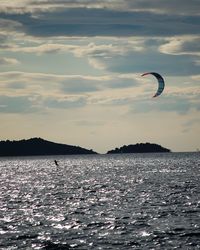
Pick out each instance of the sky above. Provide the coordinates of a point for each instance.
(70, 72)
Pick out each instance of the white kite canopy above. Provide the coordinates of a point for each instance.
(161, 83)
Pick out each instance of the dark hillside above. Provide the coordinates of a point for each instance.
(139, 148)
(38, 146)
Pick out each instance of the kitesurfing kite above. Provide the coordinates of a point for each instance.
(161, 83)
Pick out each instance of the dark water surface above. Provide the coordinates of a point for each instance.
(132, 201)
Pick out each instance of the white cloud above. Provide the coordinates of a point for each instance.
(9, 25)
(62, 85)
(184, 45)
(196, 77)
(174, 103)
(105, 18)
(159, 6)
(8, 61)
(44, 48)
(119, 47)
(17, 104)
(97, 54)
(107, 50)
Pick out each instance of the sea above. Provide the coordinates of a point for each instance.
(90, 202)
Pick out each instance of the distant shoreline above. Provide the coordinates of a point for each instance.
(41, 147)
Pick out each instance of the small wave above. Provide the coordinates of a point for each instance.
(53, 246)
(27, 236)
(192, 234)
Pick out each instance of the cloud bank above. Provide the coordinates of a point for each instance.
(101, 18)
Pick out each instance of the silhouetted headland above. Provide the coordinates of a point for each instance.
(38, 146)
(139, 148)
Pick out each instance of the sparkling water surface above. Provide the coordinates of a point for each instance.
(130, 201)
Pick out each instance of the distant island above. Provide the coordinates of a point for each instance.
(39, 146)
(139, 148)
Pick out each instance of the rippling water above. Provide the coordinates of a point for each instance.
(132, 201)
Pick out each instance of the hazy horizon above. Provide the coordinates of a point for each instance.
(70, 72)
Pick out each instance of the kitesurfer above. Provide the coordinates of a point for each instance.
(56, 163)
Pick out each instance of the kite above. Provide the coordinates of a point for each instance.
(161, 83)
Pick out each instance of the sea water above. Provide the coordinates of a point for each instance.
(129, 201)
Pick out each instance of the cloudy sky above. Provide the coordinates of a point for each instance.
(70, 72)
